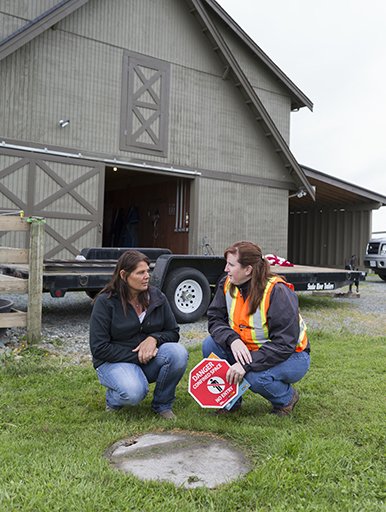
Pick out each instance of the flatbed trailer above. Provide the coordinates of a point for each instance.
(188, 281)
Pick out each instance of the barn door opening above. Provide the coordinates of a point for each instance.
(143, 209)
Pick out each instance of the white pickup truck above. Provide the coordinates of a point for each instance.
(375, 257)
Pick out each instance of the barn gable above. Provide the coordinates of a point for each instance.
(217, 125)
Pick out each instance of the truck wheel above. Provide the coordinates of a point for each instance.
(188, 293)
(382, 276)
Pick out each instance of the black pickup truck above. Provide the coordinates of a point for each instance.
(188, 281)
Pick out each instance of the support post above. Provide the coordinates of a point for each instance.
(35, 281)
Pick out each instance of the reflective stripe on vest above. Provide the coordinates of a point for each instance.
(253, 329)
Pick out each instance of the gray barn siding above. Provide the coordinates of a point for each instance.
(26, 9)
(163, 29)
(279, 108)
(209, 124)
(9, 24)
(171, 34)
(75, 71)
(16, 183)
(235, 211)
(66, 229)
(273, 95)
(52, 77)
(328, 237)
(211, 128)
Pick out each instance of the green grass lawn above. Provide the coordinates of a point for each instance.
(327, 456)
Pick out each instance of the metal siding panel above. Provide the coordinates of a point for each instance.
(230, 212)
(274, 96)
(335, 236)
(365, 235)
(44, 186)
(67, 228)
(279, 108)
(15, 182)
(314, 224)
(25, 8)
(163, 29)
(212, 128)
(8, 25)
(14, 239)
(60, 78)
(309, 236)
(14, 94)
(63, 75)
(338, 238)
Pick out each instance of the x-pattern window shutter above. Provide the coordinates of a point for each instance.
(145, 105)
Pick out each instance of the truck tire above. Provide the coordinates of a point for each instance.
(382, 276)
(188, 293)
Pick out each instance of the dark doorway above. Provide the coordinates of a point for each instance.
(143, 209)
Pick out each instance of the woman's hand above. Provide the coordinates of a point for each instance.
(235, 374)
(147, 350)
(240, 352)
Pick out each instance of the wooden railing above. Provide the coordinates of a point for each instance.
(33, 258)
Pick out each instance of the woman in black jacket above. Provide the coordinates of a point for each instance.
(133, 339)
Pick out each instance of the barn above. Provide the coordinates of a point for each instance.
(149, 123)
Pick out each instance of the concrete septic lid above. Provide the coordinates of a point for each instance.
(185, 459)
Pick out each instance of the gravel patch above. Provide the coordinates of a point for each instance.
(65, 320)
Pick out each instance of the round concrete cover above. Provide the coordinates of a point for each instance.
(185, 459)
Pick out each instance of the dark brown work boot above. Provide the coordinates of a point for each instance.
(287, 409)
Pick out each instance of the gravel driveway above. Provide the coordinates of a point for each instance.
(65, 320)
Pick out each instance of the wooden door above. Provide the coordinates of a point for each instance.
(68, 193)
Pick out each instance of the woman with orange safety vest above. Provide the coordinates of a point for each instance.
(254, 323)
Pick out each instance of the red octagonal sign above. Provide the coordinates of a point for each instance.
(208, 385)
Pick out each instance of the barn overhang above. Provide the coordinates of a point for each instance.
(332, 231)
(333, 193)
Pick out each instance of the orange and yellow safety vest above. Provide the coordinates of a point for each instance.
(253, 329)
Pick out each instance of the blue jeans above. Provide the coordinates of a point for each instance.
(128, 383)
(274, 384)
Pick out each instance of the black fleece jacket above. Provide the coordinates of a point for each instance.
(114, 335)
(283, 326)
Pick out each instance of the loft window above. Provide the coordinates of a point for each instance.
(145, 104)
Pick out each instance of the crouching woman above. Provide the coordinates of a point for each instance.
(254, 324)
(134, 339)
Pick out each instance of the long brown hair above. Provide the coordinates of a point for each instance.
(127, 262)
(249, 253)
